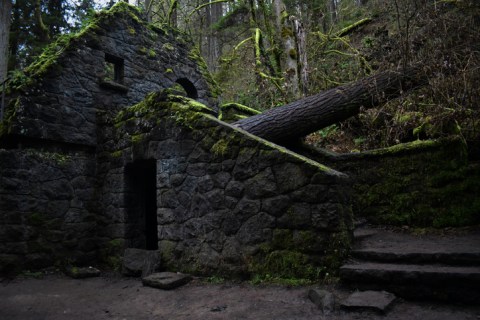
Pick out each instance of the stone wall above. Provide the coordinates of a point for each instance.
(422, 183)
(46, 209)
(228, 202)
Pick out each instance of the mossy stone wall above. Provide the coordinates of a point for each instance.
(47, 210)
(420, 184)
(228, 202)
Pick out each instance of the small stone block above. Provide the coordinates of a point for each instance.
(166, 280)
(323, 299)
(378, 301)
(82, 273)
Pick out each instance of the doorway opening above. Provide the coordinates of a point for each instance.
(141, 203)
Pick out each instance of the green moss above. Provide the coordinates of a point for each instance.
(239, 107)
(117, 154)
(111, 254)
(168, 47)
(131, 31)
(167, 252)
(337, 251)
(59, 158)
(142, 50)
(220, 147)
(287, 33)
(168, 70)
(9, 115)
(137, 138)
(231, 112)
(285, 264)
(32, 274)
(195, 55)
(152, 53)
(292, 54)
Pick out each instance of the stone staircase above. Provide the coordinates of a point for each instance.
(434, 266)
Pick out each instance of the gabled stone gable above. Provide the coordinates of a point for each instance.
(113, 63)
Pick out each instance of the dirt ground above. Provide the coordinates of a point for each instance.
(109, 297)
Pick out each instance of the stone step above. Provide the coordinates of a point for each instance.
(418, 257)
(460, 248)
(454, 283)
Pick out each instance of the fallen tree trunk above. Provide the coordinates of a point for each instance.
(299, 118)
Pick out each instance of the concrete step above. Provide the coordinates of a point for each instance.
(453, 283)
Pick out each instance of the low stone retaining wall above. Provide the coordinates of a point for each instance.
(422, 183)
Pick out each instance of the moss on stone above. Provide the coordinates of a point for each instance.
(137, 138)
(168, 47)
(220, 147)
(230, 112)
(117, 154)
(9, 115)
(420, 184)
(152, 53)
(284, 264)
(195, 55)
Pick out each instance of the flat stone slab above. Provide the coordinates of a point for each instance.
(166, 280)
(378, 301)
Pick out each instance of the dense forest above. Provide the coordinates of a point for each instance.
(267, 53)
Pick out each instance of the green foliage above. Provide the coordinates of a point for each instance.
(271, 279)
(111, 254)
(215, 280)
(32, 274)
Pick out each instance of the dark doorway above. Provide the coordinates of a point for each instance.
(141, 203)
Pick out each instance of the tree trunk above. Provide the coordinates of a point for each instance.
(290, 52)
(41, 31)
(5, 9)
(299, 118)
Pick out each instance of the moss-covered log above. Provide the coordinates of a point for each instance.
(313, 113)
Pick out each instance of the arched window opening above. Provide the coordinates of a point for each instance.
(189, 88)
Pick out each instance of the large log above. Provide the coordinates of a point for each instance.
(299, 118)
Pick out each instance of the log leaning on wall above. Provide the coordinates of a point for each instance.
(301, 117)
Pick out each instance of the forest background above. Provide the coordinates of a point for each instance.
(266, 53)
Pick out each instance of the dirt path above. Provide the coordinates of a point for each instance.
(57, 297)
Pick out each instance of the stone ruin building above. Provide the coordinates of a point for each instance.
(96, 157)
